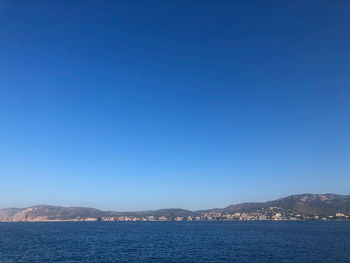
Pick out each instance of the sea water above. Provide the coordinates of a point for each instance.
(220, 241)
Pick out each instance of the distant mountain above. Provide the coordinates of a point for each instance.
(306, 204)
(170, 212)
(49, 213)
(295, 207)
(6, 215)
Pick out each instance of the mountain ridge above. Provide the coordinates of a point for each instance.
(294, 207)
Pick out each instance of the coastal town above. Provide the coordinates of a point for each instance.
(272, 213)
(324, 207)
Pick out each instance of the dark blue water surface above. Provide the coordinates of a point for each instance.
(175, 242)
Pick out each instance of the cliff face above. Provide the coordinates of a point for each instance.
(302, 206)
(6, 215)
(50, 213)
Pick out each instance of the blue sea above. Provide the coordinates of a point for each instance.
(249, 241)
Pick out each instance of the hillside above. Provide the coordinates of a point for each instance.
(307, 204)
(295, 207)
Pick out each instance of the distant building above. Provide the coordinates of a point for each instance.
(339, 215)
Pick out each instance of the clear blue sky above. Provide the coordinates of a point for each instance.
(131, 105)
